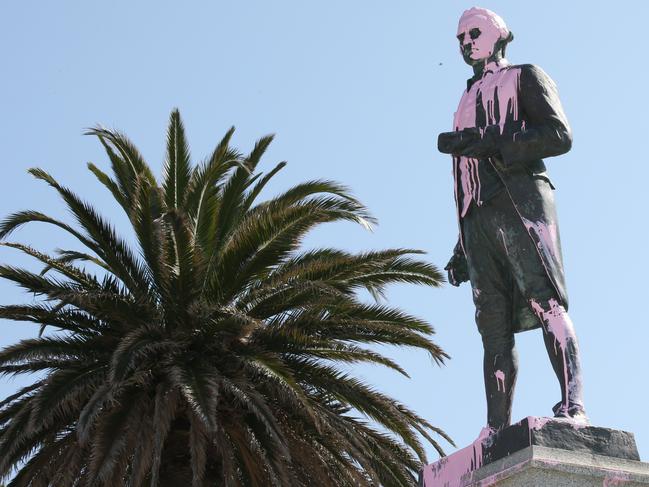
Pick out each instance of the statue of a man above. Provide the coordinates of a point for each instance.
(509, 119)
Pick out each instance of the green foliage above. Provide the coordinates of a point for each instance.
(211, 354)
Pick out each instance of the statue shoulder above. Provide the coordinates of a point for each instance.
(531, 73)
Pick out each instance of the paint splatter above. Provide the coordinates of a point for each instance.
(457, 469)
(498, 92)
(558, 324)
(500, 379)
(544, 235)
(454, 470)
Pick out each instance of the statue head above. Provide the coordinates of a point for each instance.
(483, 36)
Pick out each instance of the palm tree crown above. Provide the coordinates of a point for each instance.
(212, 353)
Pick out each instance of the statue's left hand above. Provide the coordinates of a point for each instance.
(457, 269)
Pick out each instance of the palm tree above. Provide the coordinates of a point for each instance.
(212, 354)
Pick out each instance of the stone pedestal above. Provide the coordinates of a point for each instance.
(543, 452)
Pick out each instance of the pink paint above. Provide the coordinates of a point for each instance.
(557, 320)
(492, 28)
(616, 479)
(500, 380)
(546, 235)
(455, 470)
(545, 266)
(468, 170)
(452, 471)
(504, 83)
(558, 324)
(534, 424)
(498, 81)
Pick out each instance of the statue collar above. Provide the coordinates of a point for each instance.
(490, 67)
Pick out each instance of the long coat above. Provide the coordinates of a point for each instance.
(534, 127)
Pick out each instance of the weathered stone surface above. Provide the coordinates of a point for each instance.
(494, 453)
(538, 466)
(565, 435)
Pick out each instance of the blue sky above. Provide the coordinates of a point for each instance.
(357, 92)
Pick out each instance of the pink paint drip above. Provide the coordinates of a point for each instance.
(497, 82)
(560, 326)
(546, 235)
(466, 171)
(454, 470)
(505, 85)
(534, 423)
(500, 380)
(557, 322)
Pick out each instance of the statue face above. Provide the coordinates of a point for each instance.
(479, 31)
(477, 39)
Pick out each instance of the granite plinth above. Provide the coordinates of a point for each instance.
(510, 454)
(538, 466)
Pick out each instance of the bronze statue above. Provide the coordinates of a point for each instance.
(509, 119)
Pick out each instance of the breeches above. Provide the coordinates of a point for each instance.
(504, 266)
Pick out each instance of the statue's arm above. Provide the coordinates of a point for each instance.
(546, 132)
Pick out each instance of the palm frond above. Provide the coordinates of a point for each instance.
(212, 349)
(177, 170)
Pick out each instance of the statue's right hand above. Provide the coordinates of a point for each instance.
(457, 269)
(456, 142)
(450, 142)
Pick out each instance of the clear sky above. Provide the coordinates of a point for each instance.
(357, 92)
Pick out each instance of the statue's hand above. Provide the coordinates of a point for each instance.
(471, 142)
(454, 142)
(458, 269)
(481, 145)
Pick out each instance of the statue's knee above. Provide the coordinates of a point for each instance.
(498, 344)
(553, 317)
(546, 308)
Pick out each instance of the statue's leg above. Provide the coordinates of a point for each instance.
(563, 350)
(531, 278)
(492, 284)
(500, 366)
